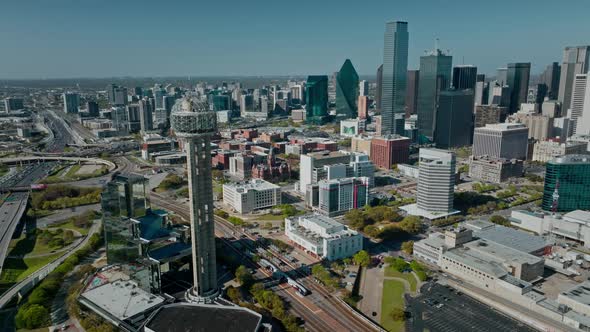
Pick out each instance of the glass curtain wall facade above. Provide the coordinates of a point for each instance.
(395, 67)
(435, 76)
(123, 199)
(347, 91)
(567, 184)
(316, 99)
(517, 79)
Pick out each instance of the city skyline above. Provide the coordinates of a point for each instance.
(59, 40)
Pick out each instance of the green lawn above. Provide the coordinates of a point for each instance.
(17, 269)
(391, 272)
(270, 217)
(73, 170)
(393, 297)
(70, 225)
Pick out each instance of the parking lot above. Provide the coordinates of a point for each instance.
(439, 308)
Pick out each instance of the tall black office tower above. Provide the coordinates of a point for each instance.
(517, 79)
(395, 67)
(464, 77)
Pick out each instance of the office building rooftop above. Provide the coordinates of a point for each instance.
(254, 184)
(506, 236)
(203, 318)
(503, 126)
(121, 299)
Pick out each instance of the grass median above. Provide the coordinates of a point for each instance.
(393, 297)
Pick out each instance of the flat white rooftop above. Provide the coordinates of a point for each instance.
(122, 299)
(414, 210)
(254, 184)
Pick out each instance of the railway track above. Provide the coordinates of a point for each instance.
(331, 315)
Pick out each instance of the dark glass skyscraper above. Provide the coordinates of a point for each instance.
(435, 76)
(550, 77)
(123, 199)
(517, 79)
(347, 91)
(316, 99)
(454, 119)
(395, 67)
(567, 180)
(464, 77)
(379, 87)
(413, 81)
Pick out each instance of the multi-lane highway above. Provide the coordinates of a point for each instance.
(11, 211)
(321, 310)
(61, 134)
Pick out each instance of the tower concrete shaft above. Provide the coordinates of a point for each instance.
(192, 121)
(202, 221)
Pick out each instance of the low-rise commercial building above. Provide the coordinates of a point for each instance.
(547, 150)
(323, 236)
(495, 170)
(121, 301)
(152, 146)
(245, 197)
(361, 144)
(573, 225)
(352, 127)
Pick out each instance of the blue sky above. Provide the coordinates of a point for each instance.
(95, 38)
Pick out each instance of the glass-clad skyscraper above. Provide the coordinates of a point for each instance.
(347, 91)
(316, 99)
(567, 184)
(138, 239)
(395, 67)
(435, 76)
(124, 198)
(454, 119)
(517, 79)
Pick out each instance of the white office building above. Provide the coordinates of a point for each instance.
(323, 236)
(313, 163)
(245, 197)
(436, 185)
(583, 122)
(501, 140)
(579, 92)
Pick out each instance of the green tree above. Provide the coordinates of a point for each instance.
(68, 236)
(371, 231)
(243, 275)
(362, 258)
(355, 218)
(234, 294)
(398, 314)
(408, 247)
(411, 224)
(398, 264)
(33, 316)
(498, 219)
